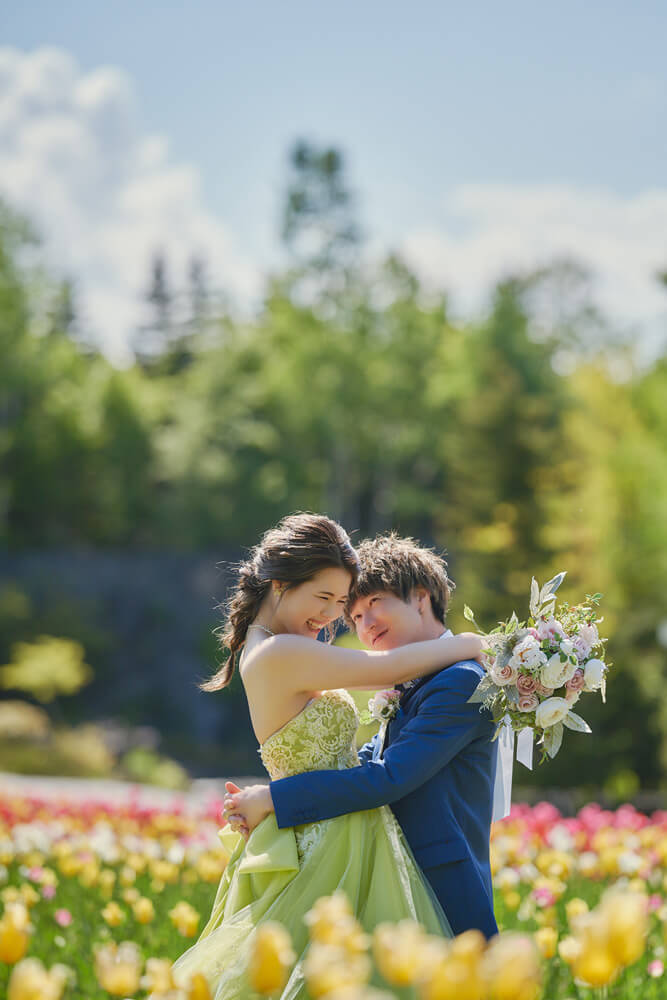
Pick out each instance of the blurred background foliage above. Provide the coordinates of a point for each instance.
(525, 441)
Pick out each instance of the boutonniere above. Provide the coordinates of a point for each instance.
(382, 708)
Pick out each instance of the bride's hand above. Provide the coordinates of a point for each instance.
(246, 808)
(478, 642)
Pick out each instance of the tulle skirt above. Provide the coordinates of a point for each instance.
(280, 874)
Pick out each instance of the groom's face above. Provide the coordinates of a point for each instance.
(384, 621)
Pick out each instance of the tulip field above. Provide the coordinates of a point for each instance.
(97, 900)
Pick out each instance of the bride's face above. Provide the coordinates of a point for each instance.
(307, 608)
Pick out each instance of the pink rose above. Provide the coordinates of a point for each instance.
(526, 684)
(63, 917)
(571, 696)
(528, 702)
(544, 691)
(48, 891)
(507, 675)
(576, 681)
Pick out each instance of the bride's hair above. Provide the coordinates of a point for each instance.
(292, 553)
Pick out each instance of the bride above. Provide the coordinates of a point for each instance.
(293, 586)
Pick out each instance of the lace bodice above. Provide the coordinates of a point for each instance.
(320, 737)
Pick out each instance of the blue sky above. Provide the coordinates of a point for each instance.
(429, 101)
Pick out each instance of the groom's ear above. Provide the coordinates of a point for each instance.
(422, 597)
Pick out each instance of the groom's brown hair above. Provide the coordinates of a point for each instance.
(401, 565)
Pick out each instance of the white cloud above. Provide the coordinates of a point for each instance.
(491, 230)
(103, 194)
(106, 195)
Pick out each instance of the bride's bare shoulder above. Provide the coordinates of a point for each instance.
(273, 650)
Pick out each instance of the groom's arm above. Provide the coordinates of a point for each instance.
(443, 726)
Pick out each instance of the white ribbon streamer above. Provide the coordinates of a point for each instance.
(502, 789)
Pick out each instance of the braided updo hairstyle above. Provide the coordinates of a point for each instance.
(291, 553)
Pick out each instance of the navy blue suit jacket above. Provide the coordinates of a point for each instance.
(437, 772)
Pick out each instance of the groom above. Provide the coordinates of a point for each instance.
(436, 765)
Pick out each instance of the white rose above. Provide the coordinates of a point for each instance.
(527, 653)
(594, 671)
(551, 711)
(555, 673)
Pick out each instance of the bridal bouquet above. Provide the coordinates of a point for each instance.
(538, 669)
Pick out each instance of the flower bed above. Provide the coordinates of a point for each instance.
(78, 880)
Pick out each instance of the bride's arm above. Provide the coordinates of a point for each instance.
(304, 665)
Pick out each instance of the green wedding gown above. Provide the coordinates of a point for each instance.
(279, 874)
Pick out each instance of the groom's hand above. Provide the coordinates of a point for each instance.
(246, 808)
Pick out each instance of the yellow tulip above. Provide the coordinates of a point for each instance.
(136, 861)
(271, 958)
(128, 875)
(547, 918)
(331, 921)
(31, 981)
(328, 967)
(546, 939)
(569, 949)
(596, 968)
(327, 915)
(164, 871)
(113, 914)
(34, 859)
(158, 977)
(627, 923)
(469, 947)
(397, 951)
(143, 910)
(453, 978)
(70, 865)
(185, 919)
(210, 867)
(512, 967)
(15, 931)
(89, 874)
(29, 895)
(106, 880)
(118, 967)
(575, 907)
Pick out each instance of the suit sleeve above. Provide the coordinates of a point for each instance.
(444, 724)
